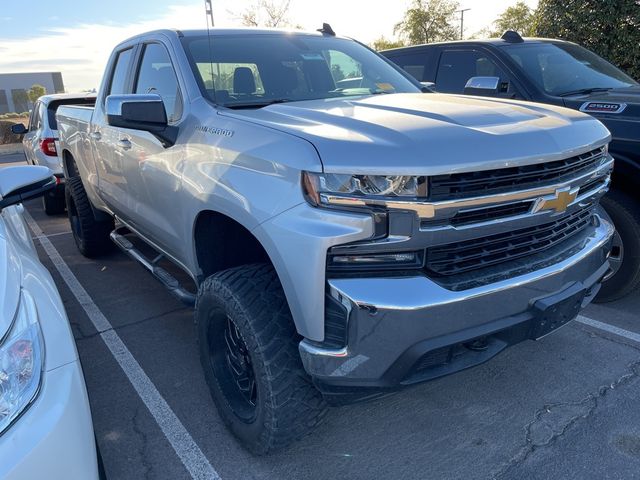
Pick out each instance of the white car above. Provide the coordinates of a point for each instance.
(40, 142)
(45, 420)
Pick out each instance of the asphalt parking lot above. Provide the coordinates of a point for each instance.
(564, 407)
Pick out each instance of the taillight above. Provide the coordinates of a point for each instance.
(48, 147)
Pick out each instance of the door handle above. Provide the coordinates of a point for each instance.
(96, 136)
(124, 144)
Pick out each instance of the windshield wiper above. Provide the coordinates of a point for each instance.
(262, 104)
(586, 91)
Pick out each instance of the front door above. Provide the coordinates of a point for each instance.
(153, 172)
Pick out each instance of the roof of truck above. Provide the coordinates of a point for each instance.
(218, 31)
(497, 42)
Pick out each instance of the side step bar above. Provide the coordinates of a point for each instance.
(168, 280)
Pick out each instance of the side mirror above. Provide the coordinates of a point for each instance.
(24, 182)
(18, 129)
(428, 87)
(141, 112)
(483, 86)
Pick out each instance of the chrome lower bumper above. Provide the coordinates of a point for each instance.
(390, 317)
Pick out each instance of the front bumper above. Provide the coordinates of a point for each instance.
(54, 437)
(407, 330)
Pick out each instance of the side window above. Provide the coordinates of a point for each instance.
(458, 66)
(34, 119)
(156, 75)
(41, 115)
(119, 76)
(414, 64)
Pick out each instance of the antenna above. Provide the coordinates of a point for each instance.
(208, 8)
(326, 30)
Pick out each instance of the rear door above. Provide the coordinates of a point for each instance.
(109, 158)
(153, 173)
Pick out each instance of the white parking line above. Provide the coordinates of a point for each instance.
(621, 332)
(184, 445)
(35, 237)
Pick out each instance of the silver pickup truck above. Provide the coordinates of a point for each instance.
(347, 238)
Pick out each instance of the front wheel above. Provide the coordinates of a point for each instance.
(624, 259)
(249, 352)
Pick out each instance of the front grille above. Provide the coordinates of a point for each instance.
(490, 213)
(466, 256)
(487, 182)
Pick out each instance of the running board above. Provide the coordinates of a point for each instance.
(168, 280)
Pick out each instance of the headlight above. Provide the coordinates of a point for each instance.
(319, 187)
(21, 362)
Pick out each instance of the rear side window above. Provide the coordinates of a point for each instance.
(414, 64)
(456, 67)
(119, 78)
(156, 75)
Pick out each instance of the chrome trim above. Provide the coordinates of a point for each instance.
(313, 350)
(444, 209)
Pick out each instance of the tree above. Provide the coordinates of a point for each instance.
(611, 28)
(383, 44)
(36, 92)
(429, 21)
(519, 17)
(267, 13)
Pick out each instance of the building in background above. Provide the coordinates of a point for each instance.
(14, 88)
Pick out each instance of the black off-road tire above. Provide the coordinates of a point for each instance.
(287, 406)
(91, 236)
(625, 214)
(53, 203)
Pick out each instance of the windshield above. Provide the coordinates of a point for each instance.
(564, 69)
(250, 70)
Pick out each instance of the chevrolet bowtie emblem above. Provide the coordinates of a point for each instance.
(559, 201)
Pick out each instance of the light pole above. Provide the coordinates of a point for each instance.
(461, 12)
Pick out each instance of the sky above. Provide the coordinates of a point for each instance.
(77, 38)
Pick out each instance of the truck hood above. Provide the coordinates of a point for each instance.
(430, 134)
(628, 95)
(10, 279)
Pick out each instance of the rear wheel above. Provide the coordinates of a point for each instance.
(625, 253)
(91, 236)
(249, 352)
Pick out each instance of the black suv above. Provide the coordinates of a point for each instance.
(559, 73)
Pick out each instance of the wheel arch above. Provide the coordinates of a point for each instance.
(221, 242)
(69, 166)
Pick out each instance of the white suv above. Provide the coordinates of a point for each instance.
(40, 142)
